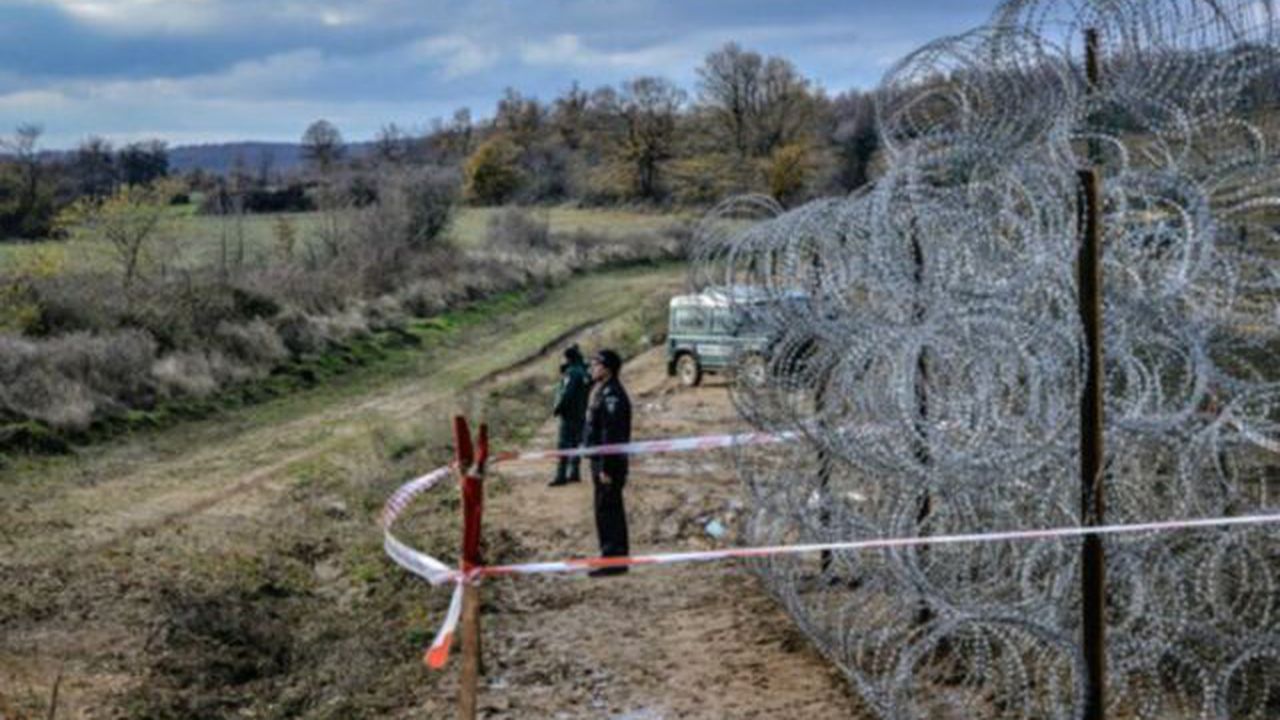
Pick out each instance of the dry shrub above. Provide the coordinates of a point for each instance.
(16, 353)
(76, 302)
(40, 393)
(385, 313)
(113, 366)
(342, 327)
(425, 298)
(320, 290)
(255, 343)
(69, 381)
(515, 230)
(301, 334)
(413, 210)
(184, 373)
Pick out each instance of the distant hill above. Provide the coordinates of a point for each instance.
(219, 158)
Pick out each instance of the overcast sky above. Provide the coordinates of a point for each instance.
(215, 70)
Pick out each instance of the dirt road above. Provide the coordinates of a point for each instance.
(233, 568)
(658, 643)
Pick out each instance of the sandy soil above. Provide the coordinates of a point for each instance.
(659, 643)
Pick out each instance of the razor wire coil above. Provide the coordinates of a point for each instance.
(926, 342)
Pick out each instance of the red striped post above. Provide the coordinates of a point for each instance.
(470, 465)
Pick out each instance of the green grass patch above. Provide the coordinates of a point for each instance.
(202, 240)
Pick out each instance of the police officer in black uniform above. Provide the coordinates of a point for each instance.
(609, 422)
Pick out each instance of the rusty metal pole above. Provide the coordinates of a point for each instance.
(1092, 450)
(925, 614)
(1093, 499)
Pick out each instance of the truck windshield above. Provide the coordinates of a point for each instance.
(689, 319)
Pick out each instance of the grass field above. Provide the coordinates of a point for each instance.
(200, 239)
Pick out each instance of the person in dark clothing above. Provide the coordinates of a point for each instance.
(608, 423)
(571, 408)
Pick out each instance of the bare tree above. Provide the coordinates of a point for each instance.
(322, 145)
(787, 109)
(142, 163)
(391, 146)
(133, 223)
(24, 149)
(450, 142)
(729, 89)
(32, 218)
(519, 118)
(755, 104)
(647, 110)
(569, 116)
(93, 168)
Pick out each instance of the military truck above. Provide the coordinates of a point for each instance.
(714, 332)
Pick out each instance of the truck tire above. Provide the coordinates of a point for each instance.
(688, 370)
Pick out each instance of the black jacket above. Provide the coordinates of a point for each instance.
(571, 394)
(609, 423)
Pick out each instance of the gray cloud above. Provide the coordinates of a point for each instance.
(224, 69)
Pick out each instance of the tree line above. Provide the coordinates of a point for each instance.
(35, 188)
(753, 123)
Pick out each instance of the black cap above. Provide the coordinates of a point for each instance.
(609, 359)
(573, 354)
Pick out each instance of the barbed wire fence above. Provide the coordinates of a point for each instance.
(927, 343)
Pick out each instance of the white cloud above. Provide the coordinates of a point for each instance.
(275, 76)
(139, 17)
(459, 55)
(678, 56)
(32, 102)
(272, 98)
(568, 50)
(272, 75)
(330, 14)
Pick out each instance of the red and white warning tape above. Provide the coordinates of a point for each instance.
(437, 573)
(649, 447)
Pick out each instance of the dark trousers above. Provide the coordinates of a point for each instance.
(570, 438)
(611, 516)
